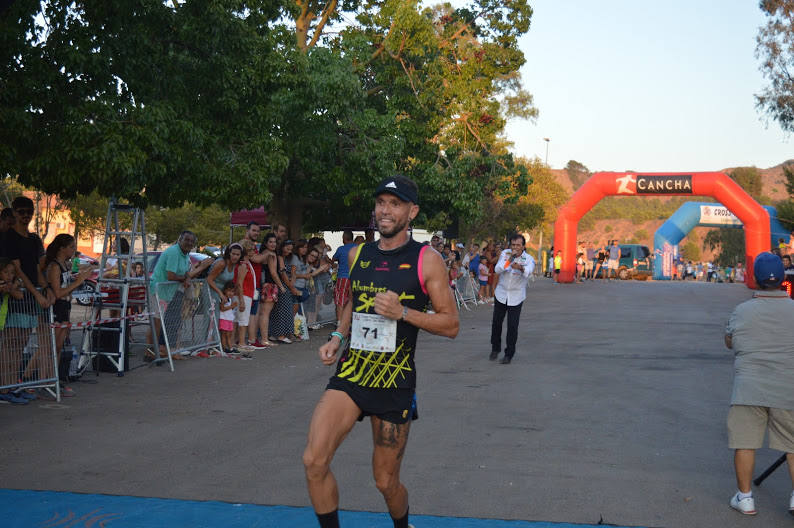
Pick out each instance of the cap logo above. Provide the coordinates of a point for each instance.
(391, 185)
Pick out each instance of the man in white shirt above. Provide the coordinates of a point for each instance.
(513, 269)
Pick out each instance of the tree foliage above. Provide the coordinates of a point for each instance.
(151, 101)
(636, 210)
(577, 173)
(785, 208)
(210, 224)
(690, 251)
(88, 213)
(248, 102)
(749, 178)
(729, 242)
(775, 49)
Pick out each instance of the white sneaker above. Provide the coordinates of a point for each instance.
(791, 504)
(745, 506)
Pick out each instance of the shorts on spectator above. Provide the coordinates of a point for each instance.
(342, 291)
(483, 282)
(588, 265)
(226, 325)
(22, 320)
(303, 297)
(61, 311)
(269, 292)
(154, 308)
(242, 318)
(613, 264)
(748, 423)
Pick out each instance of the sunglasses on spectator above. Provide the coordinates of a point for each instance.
(288, 242)
(24, 211)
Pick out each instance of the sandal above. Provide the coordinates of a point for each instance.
(285, 340)
(270, 344)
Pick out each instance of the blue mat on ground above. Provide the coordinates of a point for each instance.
(52, 509)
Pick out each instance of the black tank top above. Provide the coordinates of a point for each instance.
(266, 270)
(374, 270)
(66, 280)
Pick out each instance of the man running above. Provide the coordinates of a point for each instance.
(391, 282)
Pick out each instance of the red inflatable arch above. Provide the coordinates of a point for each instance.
(715, 184)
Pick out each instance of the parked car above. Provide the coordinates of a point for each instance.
(213, 251)
(635, 262)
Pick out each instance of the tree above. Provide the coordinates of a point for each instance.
(785, 208)
(690, 251)
(426, 93)
(88, 214)
(538, 206)
(10, 188)
(210, 224)
(150, 101)
(749, 178)
(249, 102)
(775, 48)
(577, 173)
(730, 243)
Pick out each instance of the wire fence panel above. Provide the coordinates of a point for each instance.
(187, 317)
(466, 289)
(319, 308)
(27, 344)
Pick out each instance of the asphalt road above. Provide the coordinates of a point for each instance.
(613, 409)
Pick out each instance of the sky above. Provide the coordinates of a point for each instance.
(646, 86)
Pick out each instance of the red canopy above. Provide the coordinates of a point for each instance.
(243, 217)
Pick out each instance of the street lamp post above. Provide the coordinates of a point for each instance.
(547, 149)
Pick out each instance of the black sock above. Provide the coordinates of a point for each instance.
(329, 520)
(402, 522)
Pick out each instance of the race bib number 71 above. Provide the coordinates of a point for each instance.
(374, 333)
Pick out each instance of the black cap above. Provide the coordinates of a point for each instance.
(403, 188)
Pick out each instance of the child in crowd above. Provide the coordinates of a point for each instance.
(10, 352)
(62, 283)
(482, 278)
(579, 266)
(226, 318)
(247, 282)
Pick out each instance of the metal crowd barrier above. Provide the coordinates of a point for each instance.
(187, 317)
(465, 290)
(28, 357)
(319, 308)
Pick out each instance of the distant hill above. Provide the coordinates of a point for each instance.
(598, 229)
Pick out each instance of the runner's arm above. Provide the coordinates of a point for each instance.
(329, 351)
(444, 321)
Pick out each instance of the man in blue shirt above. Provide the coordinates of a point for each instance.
(173, 265)
(342, 286)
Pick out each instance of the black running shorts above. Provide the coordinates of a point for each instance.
(396, 406)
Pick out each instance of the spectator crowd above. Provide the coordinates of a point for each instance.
(267, 289)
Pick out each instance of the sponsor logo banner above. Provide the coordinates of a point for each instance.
(681, 184)
(718, 215)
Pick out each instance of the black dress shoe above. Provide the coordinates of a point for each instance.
(493, 356)
(505, 360)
